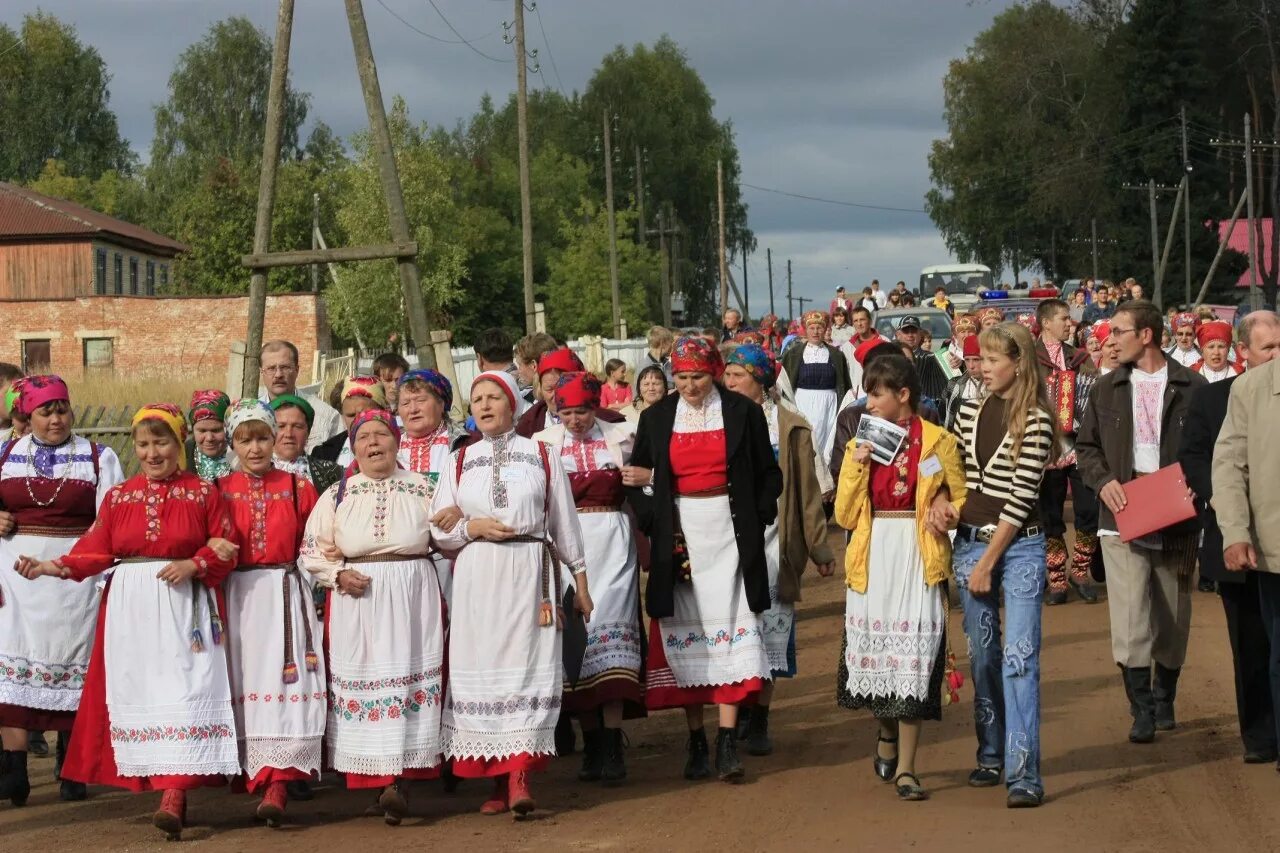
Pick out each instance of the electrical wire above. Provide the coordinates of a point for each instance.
(832, 200)
(551, 56)
(454, 30)
(13, 46)
(431, 36)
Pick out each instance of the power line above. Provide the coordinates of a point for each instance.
(19, 42)
(550, 55)
(431, 36)
(833, 201)
(454, 30)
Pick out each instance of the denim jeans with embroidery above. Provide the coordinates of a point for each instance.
(1006, 677)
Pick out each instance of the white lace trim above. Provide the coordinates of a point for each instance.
(186, 768)
(487, 746)
(40, 698)
(301, 753)
(889, 663)
(385, 765)
(708, 418)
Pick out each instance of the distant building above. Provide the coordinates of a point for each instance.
(1240, 242)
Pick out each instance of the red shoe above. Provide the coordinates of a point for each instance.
(497, 804)
(521, 800)
(169, 817)
(273, 803)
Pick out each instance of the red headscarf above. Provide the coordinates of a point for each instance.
(579, 390)
(38, 391)
(972, 349)
(696, 355)
(563, 360)
(1214, 330)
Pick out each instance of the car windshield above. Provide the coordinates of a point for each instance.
(937, 325)
(955, 281)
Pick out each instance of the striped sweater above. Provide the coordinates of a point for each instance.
(1016, 482)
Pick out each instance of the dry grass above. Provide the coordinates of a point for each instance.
(113, 392)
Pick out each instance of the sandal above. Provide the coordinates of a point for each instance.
(884, 767)
(912, 792)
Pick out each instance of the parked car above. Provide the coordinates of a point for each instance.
(934, 320)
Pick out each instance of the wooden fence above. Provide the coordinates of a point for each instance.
(110, 426)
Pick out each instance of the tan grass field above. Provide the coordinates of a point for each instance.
(90, 393)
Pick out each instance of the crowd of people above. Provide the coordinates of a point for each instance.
(367, 585)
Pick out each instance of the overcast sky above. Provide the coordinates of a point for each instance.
(832, 98)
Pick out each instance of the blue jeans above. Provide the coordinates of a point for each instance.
(1006, 679)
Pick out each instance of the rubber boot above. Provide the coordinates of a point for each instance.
(14, 783)
(68, 791)
(520, 799)
(272, 807)
(614, 768)
(728, 767)
(1164, 689)
(758, 741)
(698, 765)
(171, 815)
(592, 755)
(1142, 705)
(743, 729)
(566, 740)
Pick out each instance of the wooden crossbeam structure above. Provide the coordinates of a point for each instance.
(304, 257)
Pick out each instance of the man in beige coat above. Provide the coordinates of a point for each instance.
(1246, 494)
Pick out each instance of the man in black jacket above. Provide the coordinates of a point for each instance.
(1250, 646)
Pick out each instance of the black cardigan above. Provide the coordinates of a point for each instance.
(1205, 416)
(755, 482)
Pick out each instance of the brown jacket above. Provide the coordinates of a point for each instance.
(1104, 446)
(802, 525)
(1246, 491)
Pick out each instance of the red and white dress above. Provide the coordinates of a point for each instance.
(712, 650)
(46, 624)
(386, 648)
(505, 668)
(278, 686)
(156, 710)
(611, 664)
(428, 456)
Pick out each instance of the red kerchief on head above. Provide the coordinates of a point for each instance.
(696, 355)
(1214, 330)
(579, 390)
(864, 348)
(972, 349)
(563, 360)
(38, 391)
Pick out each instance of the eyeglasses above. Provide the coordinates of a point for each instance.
(1115, 331)
(280, 369)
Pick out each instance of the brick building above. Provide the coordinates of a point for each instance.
(78, 293)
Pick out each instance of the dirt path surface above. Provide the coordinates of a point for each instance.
(1188, 791)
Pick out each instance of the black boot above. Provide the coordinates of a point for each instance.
(14, 783)
(37, 745)
(698, 765)
(758, 742)
(566, 741)
(1165, 689)
(300, 791)
(592, 755)
(68, 791)
(727, 764)
(614, 769)
(742, 730)
(1142, 705)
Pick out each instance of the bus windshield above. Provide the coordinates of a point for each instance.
(958, 281)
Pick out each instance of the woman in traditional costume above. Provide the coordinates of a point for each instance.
(359, 394)
(368, 541)
(711, 487)
(208, 451)
(518, 523)
(797, 535)
(51, 483)
(593, 454)
(1215, 365)
(294, 419)
(819, 376)
(277, 676)
(893, 656)
(156, 711)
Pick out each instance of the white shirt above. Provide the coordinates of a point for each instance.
(1148, 413)
(881, 298)
(1185, 357)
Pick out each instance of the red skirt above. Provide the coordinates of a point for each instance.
(481, 768)
(91, 758)
(268, 776)
(622, 685)
(661, 690)
(36, 719)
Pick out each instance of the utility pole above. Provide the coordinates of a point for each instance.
(640, 227)
(724, 261)
(1255, 297)
(665, 266)
(768, 253)
(522, 127)
(315, 236)
(746, 291)
(1186, 209)
(801, 300)
(1152, 189)
(1093, 228)
(790, 309)
(613, 231)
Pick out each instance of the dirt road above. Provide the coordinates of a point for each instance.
(1188, 791)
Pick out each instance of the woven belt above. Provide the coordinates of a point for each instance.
(215, 618)
(549, 609)
(289, 673)
(50, 532)
(586, 509)
(387, 558)
(894, 513)
(715, 492)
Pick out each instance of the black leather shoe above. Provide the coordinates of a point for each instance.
(728, 767)
(1164, 689)
(613, 769)
(885, 768)
(1053, 598)
(566, 740)
(912, 790)
(758, 741)
(37, 745)
(1260, 756)
(1206, 585)
(592, 756)
(698, 764)
(14, 784)
(300, 791)
(984, 777)
(1142, 705)
(72, 792)
(1087, 593)
(1020, 798)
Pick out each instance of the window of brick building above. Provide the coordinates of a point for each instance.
(119, 271)
(99, 353)
(36, 357)
(133, 276)
(100, 271)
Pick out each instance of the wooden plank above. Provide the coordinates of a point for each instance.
(342, 254)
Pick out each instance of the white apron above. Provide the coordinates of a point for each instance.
(613, 636)
(169, 706)
(779, 619)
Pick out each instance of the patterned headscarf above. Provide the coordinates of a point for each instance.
(249, 409)
(308, 411)
(208, 405)
(749, 336)
(169, 415)
(580, 390)
(965, 323)
(696, 355)
(816, 317)
(13, 395)
(434, 380)
(753, 359)
(382, 416)
(1028, 322)
(1100, 331)
(369, 387)
(987, 313)
(37, 391)
(1186, 318)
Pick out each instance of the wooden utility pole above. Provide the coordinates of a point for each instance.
(724, 261)
(315, 236)
(1157, 294)
(768, 253)
(1255, 296)
(665, 260)
(790, 308)
(640, 226)
(1152, 189)
(410, 287)
(746, 290)
(522, 129)
(614, 293)
(267, 196)
(1222, 247)
(1093, 239)
(1186, 208)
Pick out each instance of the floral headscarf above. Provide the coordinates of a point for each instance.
(169, 415)
(434, 380)
(749, 336)
(579, 390)
(753, 359)
(210, 404)
(249, 409)
(370, 415)
(696, 355)
(369, 387)
(37, 391)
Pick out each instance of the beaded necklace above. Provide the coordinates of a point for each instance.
(32, 473)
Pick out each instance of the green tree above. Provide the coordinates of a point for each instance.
(111, 192)
(53, 97)
(578, 290)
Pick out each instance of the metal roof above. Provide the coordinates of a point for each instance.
(25, 213)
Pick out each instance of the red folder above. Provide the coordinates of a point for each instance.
(1156, 501)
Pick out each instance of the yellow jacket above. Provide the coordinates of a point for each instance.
(853, 506)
